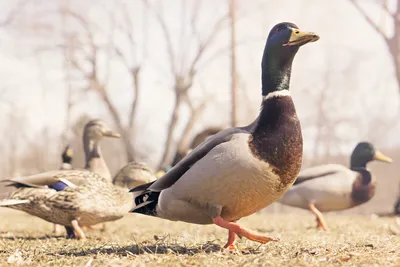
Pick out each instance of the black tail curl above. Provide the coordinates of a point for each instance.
(151, 207)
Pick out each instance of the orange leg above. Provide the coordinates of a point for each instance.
(78, 230)
(230, 245)
(242, 232)
(320, 219)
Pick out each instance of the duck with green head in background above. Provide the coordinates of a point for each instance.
(333, 187)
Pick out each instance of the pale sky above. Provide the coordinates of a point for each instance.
(360, 68)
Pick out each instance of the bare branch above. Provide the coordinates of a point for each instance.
(13, 13)
(385, 7)
(195, 115)
(133, 69)
(221, 52)
(122, 57)
(130, 33)
(110, 51)
(167, 36)
(369, 20)
(135, 84)
(207, 42)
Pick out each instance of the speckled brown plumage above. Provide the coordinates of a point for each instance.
(134, 174)
(94, 201)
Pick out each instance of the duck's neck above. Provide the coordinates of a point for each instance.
(92, 149)
(275, 78)
(67, 160)
(276, 137)
(93, 158)
(356, 162)
(277, 103)
(365, 174)
(276, 68)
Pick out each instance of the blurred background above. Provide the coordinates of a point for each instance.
(159, 72)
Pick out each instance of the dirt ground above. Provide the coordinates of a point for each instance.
(138, 240)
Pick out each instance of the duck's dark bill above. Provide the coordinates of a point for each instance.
(298, 37)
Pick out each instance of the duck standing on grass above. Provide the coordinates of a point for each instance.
(94, 131)
(334, 187)
(239, 171)
(72, 198)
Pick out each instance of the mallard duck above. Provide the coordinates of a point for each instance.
(93, 133)
(30, 194)
(86, 199)
(239, 171)
(333, 187)
(134, 174)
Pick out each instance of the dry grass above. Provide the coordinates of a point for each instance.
(139, 240)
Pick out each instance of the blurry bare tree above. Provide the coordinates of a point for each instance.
(392, 41)
(197, 140)
(234, 78)
(336, 91)
(67, 75)
(85, 55)
(8, 19)
(184, 67)
(29, 158)
(91, 49)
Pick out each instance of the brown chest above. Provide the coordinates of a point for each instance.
(277, 139)
(361, 191)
